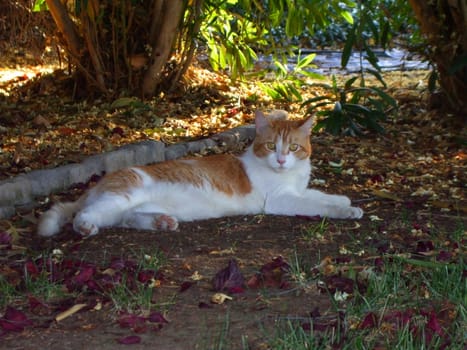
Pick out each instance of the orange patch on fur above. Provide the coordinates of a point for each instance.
(223, 172)
(119, 181)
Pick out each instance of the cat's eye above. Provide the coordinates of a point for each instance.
(271, 146)
(293, 147)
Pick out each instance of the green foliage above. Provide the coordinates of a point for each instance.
(230, 38)
(288, 82)
(234, 31)
(39, 5)
(355, 109)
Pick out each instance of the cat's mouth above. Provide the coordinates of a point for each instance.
(281, 168)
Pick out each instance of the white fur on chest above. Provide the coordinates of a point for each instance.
(267, 181)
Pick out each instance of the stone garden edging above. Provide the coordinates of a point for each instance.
(22, 190)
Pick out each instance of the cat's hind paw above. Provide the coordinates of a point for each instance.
(85, 228)
(165, 222)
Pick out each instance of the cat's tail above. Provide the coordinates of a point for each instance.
(53, 219)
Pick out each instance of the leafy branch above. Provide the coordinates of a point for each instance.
(354, 109)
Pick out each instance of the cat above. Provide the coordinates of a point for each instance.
(271, 177)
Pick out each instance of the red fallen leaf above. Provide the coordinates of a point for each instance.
(31, 269)
(146, 275)
(228, 278)
(434, 324)
(75, 246)
(93, 286)
(5, 239)
(119, 131)
(66, 131)
(315, 312)
(370, 321)
(129, 340)
(14, 320)
(186, 285)
(84, 276)
(121, 264)
(343, 259)
(377, 178)
(157, 317)
(236, 290)
(130, 321)
(444, 256)
(276, 263)
(379, 262)
(140, 328)
(254, 282)
(399, 318)
(424, 246)
(339, 283)
(117, 264)
(271, 275)
(203, 305)
(421, 227)
(38, 307)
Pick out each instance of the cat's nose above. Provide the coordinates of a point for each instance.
(281, 161)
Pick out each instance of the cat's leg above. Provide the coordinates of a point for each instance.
(149, 216)
(102, 211)
(313, 203)
(337, 206)
(335, 199)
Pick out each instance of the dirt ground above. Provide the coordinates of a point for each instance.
(204, 248)
(251, 240)
(409, 180)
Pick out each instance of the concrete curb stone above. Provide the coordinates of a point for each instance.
(23, 190)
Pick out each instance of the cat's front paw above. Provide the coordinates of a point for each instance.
(355, 213)
(165, 223)
(342, 201)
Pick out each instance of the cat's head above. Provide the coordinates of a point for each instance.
(282, 143)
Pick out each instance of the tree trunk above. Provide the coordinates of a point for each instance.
(65, 26)
(171, 12)
(444, 23)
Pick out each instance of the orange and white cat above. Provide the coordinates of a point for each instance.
(271, 177)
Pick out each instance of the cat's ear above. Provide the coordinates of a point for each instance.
(306, 125)
(260, 121)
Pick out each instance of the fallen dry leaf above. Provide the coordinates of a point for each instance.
(71, 311)
(220, 298)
